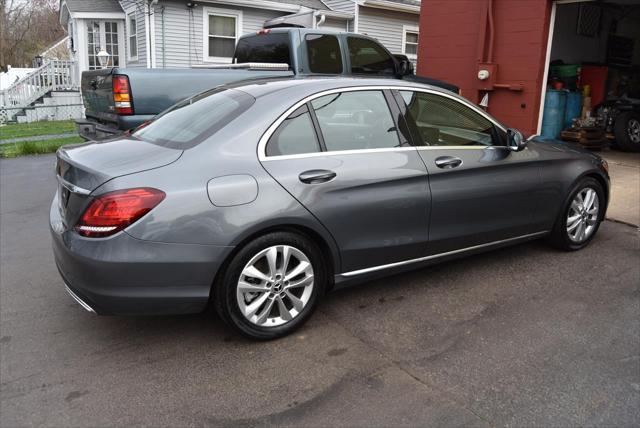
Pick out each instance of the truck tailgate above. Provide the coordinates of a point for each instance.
(97, 95)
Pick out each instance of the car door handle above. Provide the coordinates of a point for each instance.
(448, 162)
(317, 176)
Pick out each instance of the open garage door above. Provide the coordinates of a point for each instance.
(592, 95)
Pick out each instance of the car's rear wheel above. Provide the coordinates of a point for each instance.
(271, 286)
(580, 217)
(627, 131)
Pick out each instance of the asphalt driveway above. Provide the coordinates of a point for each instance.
(524, 336)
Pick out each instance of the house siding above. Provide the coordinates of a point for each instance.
(183, 30)
(386, 26)
(341, 5)
(334, 24)
(141, 33)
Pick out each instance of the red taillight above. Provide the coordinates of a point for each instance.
(113, 211)
(122, 95)
(263, 32)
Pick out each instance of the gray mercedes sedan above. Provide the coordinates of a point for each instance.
(259, 197)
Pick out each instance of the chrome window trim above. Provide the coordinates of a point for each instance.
(338, 152)
(437, 256)
(262, 144)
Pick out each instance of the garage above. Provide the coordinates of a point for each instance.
(592, 91)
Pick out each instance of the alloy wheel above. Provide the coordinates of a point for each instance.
(582, 217)
(275, 286)
(633, 129)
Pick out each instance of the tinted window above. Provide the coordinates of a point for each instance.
(191, 121)
(294, 136)
(368, 57)
(442, 121)
(356, 120)
(324, 54)
(272, 47)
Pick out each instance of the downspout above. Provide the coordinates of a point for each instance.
(355, 18)
(152, 32)
(147, 37)
(490, 13)
(323, 18)
(164, 63)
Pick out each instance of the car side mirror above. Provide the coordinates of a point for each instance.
(404, 66)
(515, 140)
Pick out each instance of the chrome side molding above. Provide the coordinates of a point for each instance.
(436, 256)
(79, 300)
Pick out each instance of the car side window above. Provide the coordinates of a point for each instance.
(324, 55)
(442, 121)
(355, 120)
(295, 135)
(368, 57)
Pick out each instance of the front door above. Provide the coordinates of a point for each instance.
(481, 191)
(342, 157)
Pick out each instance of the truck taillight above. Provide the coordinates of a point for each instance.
(114, 211)
(122, 95)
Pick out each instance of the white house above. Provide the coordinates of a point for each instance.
(181, 33)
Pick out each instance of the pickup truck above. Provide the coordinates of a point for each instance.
(117, 99)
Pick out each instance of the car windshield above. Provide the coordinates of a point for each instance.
(191, 121)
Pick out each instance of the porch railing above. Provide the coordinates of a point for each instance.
(55, 75)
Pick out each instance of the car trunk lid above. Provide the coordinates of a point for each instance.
(80, 169)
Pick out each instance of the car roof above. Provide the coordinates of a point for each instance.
(304, 86)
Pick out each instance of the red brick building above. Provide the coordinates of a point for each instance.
(515, 40)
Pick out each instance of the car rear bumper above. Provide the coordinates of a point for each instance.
(122, 275)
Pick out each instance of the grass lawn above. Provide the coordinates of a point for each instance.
(12, 150)
(17, 130)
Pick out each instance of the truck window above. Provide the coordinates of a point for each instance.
(324, 55)
(273, 47)
(368, 57)
(191, 121)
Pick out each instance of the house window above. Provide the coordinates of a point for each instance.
(410, 42)
(111, 45)
(133, 36)
(102, 34)
(221, 31)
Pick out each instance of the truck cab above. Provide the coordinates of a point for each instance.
(119, 99)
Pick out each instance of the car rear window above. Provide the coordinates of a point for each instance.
(272, 48)
(191, 121)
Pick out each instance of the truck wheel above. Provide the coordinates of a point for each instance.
(627, 131)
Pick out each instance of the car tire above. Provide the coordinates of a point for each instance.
(566, 229)
(627, 131)
(267, 319)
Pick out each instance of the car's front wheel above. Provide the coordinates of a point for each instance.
(581, 216)
(271, 286)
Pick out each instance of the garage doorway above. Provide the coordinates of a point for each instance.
(593, 60)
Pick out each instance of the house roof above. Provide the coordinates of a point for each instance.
(98, 6)
(89, 9)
